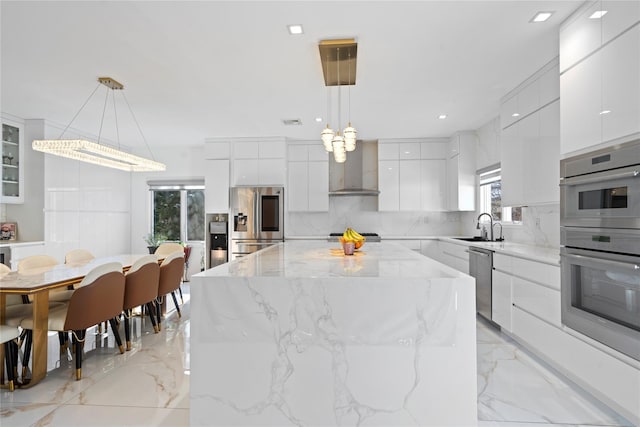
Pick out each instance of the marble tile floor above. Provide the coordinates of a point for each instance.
(149, 386)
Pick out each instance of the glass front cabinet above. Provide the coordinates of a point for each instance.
(12, 162)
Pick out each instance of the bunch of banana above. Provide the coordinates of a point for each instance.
(351, 235)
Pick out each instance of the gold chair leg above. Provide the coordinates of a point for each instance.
(12, 386)
(128, 345)
(78, 374)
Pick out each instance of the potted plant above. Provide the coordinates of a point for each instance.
(153, 241)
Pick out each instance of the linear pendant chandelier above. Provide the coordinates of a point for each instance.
(333, 54)
(95, 152)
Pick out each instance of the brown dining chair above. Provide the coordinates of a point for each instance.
(171, 271)
(8, 335)
(98, 298)
(141, 289)
(168, 248)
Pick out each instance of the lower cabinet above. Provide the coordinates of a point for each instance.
(451, 254)
(501, 300)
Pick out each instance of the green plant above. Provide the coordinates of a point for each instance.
(154, 239)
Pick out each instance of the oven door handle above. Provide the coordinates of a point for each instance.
(577, 180)
(615, 264)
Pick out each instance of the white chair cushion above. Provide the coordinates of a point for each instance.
(15, 314)
(36, 262)
(169, 248)
(57, 317)
(4, 269)
(60, 296)
(8, 333)
(148, 259)
(78, 256)
(100, 270)
(171, 257)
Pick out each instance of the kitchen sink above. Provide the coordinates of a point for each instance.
(477, 239)
(472, 239)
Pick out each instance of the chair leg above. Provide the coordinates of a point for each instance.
(152, 316)
(116, 334)
(9, 362)
(127, 329)
(62, 337)
(28, 344)
(159, 315)
(181, 299)
(175, 301)
(78, 342)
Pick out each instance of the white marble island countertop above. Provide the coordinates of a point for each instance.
(299, 334)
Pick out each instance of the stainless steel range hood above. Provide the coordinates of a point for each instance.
(358, 176)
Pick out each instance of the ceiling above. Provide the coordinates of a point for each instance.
(206, 69)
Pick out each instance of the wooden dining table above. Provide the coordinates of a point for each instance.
(37, 284)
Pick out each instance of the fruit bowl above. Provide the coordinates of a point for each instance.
(351, 235)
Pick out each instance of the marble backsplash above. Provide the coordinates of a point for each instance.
(361, 213)
(540, 225)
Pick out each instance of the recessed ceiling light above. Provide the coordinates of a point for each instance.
(515, 115)
(318, 119)
(442, 116)
(541, 16)
(598, 14)
(605, 112)
(295, 29)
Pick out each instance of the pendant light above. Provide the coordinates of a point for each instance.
(334, 141)
(95, 152)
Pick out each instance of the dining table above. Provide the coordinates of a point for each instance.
(37, 284)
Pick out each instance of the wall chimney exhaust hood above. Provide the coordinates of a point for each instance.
(358, 175)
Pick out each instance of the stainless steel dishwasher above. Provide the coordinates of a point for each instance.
(480, 267)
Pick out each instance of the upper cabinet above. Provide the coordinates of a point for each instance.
(12, 162)
(600, 65)
(412, 175)
(308, 178)
(461, 172)
(530, 152)
(258, 162)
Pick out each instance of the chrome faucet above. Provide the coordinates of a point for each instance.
(490, 219)
(499, 239)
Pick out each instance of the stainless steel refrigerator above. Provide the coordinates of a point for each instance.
(258, 218)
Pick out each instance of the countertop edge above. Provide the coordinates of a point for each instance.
(10, 243)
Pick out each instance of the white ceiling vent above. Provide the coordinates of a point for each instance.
(292, 122)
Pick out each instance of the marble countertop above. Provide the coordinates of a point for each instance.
(300, 334)
(536, 253)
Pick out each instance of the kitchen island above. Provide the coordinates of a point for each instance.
(300, 334)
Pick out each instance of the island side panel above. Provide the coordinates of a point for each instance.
(305, 351)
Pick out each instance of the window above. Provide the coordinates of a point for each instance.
(491, 198)
(178, 211)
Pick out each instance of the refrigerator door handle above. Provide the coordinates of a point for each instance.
(256, 217)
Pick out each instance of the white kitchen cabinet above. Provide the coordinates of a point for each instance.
(512, 155)
(12, 162)
(580, 35)
(409, 185)
(245, 172)
(216, 180)
(501, 299)
(245, 149)
(271, 172)
(434, 149)
(308, 178)
(433, 186)
(461, 178)
(528, 98)
(409, 150)
(549, 85)
(620, 16)
(389, 185)
(621, 86)
(388, 151)
(509, 107)
(542, 159)
(272, 149)
(580, 105)
(454, 255)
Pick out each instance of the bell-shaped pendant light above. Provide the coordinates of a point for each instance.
(350, 135)
(327, 138)
(339, 152)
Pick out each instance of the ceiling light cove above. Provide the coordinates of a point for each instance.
(541, 16)
(295, 29)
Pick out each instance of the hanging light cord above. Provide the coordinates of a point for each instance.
(138, 125)
(339, 93)
(104, 108)
(349, 84)
(328, 93)
(115, 113)
(83, 105)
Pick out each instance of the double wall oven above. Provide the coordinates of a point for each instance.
(600, 238)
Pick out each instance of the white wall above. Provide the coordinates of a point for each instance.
(184, 162)
(86, 206)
